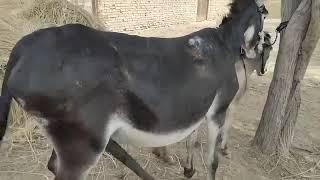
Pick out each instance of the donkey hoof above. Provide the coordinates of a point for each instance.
(189, 172)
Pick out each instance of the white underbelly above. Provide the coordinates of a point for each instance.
(130, 135)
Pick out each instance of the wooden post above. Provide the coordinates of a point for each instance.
(202, 10)
(94, 5)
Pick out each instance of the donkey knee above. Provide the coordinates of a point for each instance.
(188, 165)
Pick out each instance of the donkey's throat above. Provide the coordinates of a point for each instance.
(127, 134)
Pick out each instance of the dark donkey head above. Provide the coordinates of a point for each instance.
(246, 17)
(262, 50)
(264, 54)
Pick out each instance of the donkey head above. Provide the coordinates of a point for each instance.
(262, 50)
(245, 21)
(254, 27)
(264, 55)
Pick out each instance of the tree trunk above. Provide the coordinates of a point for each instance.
(288, 7)
(307, 48)
(273, 121)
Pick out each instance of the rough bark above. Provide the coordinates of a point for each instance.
(288, 7)
(272, 121)
(307, 48)
(290, 119)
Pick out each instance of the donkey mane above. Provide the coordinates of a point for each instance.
(236, 7)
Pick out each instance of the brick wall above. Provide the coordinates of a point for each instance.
(217, 9)
(85, 4)
(132, 15)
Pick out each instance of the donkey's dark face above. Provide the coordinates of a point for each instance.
(252, 34)
(264, 55)
(262, 50)
(250, 14)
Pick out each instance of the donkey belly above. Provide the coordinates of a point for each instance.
(127, 134)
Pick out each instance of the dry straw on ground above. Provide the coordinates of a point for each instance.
(21, 17)
(18, 18)
(60, 12)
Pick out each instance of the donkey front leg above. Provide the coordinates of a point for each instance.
(224, 135)
(224, 146)
(214, 124)
(225, 130)
(188, 166)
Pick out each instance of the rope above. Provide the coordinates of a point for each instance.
(281, 26)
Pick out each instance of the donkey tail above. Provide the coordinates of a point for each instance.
(5, 102)
(6, 98)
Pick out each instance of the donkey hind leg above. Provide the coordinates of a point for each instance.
(115, 150)
(213, 144)
(119, 153)
(188, 166)
(77, 150)
(163, 154)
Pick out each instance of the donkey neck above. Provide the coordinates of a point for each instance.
(233, 30)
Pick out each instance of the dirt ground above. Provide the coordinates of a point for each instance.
(27, 160)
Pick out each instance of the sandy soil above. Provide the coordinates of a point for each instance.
(27, 161)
